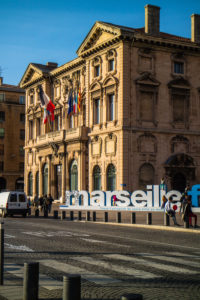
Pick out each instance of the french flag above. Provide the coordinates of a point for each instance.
(46, 103)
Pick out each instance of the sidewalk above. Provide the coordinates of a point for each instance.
(141, 219)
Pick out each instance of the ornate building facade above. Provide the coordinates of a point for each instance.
(140, 112)
(12, 136)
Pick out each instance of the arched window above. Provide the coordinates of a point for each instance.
(45, 179)
(96, 178)
(37, 183)
(73, 176)
(30, 184)
(146, 175)
(111, 178)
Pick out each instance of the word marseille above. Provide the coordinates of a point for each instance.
(150, 199)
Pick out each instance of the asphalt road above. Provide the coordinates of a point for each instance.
(112, 260)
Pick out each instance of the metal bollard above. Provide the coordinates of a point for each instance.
(63, 215)
(1, 253)
(94, 216)
(149, 218)
(133, 218)
(166, 220)
(31, 280)
(80, 215)
(71, 215)
(37, 212)
(72, 287)
(55, 214)
(132, 297)
(186, 222)
(118, 217)
(105, 216)
(88, 216)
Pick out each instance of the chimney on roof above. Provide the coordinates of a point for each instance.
(195, 28)
(52, 64)
(152, 19)
(1, 80)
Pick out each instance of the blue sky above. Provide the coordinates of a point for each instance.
(45, 30)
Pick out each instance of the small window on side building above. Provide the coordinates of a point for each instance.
(178, 67)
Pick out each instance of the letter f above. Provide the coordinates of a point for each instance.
(195, 192)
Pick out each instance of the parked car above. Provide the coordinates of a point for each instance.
(13, 203)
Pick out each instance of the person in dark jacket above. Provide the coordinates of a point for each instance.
(187, 213)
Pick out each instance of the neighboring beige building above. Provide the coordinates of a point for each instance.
(139, 118)
(12, 136)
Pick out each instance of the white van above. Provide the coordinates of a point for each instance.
(13, 203)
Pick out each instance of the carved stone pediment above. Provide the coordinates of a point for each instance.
(179, 82)
(99, 34)
(147, 79)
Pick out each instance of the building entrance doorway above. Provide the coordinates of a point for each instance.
(179, 182)
(58, 180)
(2, 184)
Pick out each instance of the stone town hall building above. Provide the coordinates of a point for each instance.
(139, 118)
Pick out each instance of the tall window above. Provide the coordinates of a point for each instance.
(37, 183)
(2, 116)
(30, 184)
(57, 123)
(45, 179)
(22, 100)
(74, 176)
(180, 109)
(178, 67)
(2, 133)
(111, 107)
(147, 106)
(22, 118)
(96, 112)
(96, 178)
(31, 99)
(1, 149)
(21, 150)
(22, 134)
(1, 166)
(111, 65)
(30, 130)
(111, 178)
(38, 127)
(97, 71)
(2, 97)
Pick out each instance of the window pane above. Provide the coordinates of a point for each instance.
(22, 118)
(13, 198)
(2, 116)
(111, 64)
(1, 149)
(21, 150)
(2, 97)
(22, 198)
(179, 67)
(96, 111)
(21, 99)
(21, 167)
(111, 108)
(22, 134)
(1, 166)
(2, 132)
(97, 71)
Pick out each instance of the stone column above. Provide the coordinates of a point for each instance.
(40, 176)
(49, 174)
(79, 170)
(63, 176)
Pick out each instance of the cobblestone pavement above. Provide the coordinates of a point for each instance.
(112, 260)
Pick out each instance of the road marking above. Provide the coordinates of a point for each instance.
(183, 255)
(155, 265)
(54, 233)
(85, 274)
(9, 236)
(116, 268)
(104, 242)
(21, 248)
(44, 281)
(177, 260)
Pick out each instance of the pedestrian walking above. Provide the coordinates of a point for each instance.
(41, 203)
(50, 198)
(45, 204)
(170, 211)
